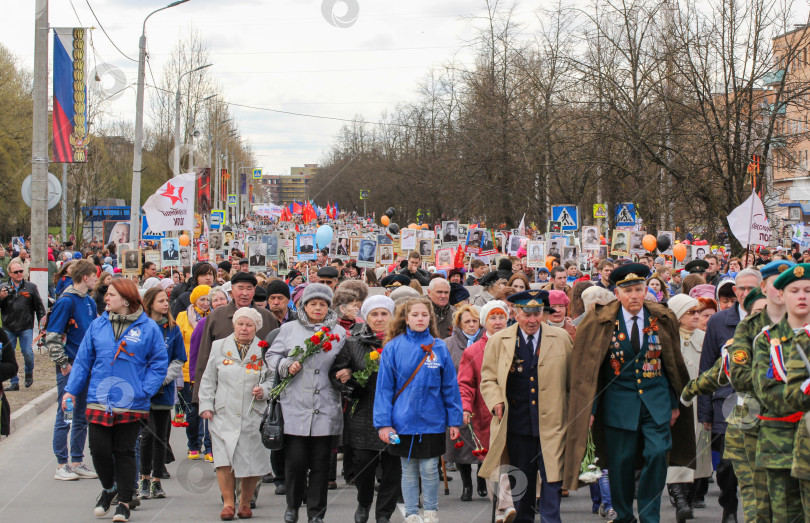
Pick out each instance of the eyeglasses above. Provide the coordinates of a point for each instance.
(17, 272)
(693, 311)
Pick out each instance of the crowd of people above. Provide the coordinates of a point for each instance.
(412, 374)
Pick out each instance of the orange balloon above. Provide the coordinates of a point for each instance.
(649, 242)
(679, 251)
(413, 226)
(184, 240)
(549, 259)
(385, 220)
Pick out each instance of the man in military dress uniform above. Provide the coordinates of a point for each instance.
(742, 433)
(627, 380)
(779, 420)
(524, 378)
(797, 396)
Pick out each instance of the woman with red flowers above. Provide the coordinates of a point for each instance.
(369, 451)
(230, 390)
(494, 315)
(310, 403)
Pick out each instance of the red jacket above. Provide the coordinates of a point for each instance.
(469, 384)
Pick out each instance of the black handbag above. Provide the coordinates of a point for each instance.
(272, 426)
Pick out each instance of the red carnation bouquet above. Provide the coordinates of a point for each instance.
(321, 341)
(479, 451)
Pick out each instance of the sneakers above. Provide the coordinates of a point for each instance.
(611, 515)
(144, 489)
(414, 518)
(430, 516)
(193, 454)
(209, 458)
(121, 513)
(12, 387)
(83, 472)
(104, 501)
(157, 490)
(64, 473)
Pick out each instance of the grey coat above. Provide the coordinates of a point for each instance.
(226, 389)
(310, 404)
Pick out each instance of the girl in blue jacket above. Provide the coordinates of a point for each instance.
(418, 399)
(122, 363)
(155, 430)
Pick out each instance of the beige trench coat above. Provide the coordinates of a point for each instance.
(227, 390)
(552, 377)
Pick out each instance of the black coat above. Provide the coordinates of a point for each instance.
(359, 427)
(719, 330)
(99, 299)
(8, 369)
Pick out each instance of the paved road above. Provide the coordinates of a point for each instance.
(28, 491)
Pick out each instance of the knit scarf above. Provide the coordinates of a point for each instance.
(120, 322)
(330, 320)
(194, 315)
(685, 334)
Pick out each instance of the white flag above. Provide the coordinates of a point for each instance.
(171, 208)
(522, 226)
(749, 223)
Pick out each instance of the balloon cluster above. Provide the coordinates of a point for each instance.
(385, 220)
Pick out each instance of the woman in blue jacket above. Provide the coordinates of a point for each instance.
(417, 398)
(155, 431)
(122, 363)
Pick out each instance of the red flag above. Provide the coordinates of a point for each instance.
(458, 263)
(297, 209)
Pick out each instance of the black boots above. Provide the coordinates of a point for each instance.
(482, 487)
(361, 514)
(465, 471)
(678, 493)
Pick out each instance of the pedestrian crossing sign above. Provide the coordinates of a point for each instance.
(625, 215)
(599, 211)
(231, 199)
(257, 174)
(567, 215)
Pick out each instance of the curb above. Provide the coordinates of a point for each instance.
(32, 409)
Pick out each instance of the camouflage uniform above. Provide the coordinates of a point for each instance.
(743, 433)
(798, 397)
(778, 429)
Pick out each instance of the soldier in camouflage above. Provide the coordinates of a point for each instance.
(753, 480)
(797, 396)
(772, 347)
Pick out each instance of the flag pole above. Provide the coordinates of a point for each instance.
(750, 224)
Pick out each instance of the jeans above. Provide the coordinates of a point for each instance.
(604, 487)
(412, 470)
(26, 339)
(77, 429)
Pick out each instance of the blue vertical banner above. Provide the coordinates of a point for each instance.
(243, 181)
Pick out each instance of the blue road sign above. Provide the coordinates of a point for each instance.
(146, 234)
(625, 215)
(567, 215)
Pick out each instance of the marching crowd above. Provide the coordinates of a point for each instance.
(670, 377)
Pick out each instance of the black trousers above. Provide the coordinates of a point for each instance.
(726, 479)
(153, 443)
(308, 454)
(365, 468)
(278, 462)
(113, 452)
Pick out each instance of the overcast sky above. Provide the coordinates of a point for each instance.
(281, 54)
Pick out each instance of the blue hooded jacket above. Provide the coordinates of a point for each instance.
(126, 382)
(176, 352)
(431, 402)
(82, 309)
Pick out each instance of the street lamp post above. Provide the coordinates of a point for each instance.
(177, 118)
(135, 203)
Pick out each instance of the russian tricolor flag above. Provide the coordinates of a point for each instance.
(69, 95)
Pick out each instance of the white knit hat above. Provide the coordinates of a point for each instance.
(490, 306)
(681, 303)
(379, 301)
(249, 313)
